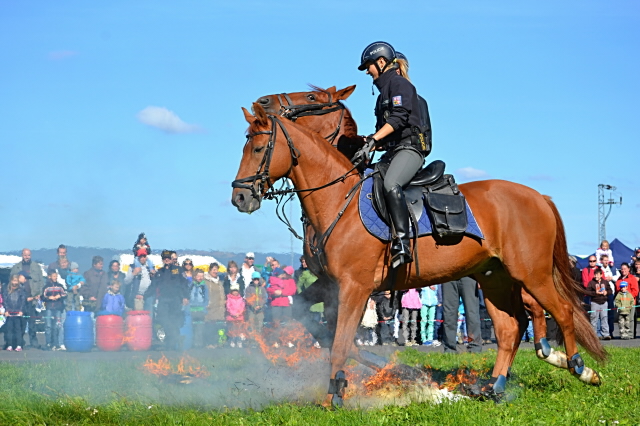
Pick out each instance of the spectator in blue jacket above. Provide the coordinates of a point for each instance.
(14, 298)
(113, 301)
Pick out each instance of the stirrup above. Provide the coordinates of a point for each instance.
(401, 257)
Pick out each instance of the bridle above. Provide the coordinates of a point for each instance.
(263, 180)
(292, 112)
(262, 177)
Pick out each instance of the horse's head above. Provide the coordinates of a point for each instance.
(264, 159)
(305, 104)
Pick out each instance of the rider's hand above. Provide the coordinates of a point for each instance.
(362, 155)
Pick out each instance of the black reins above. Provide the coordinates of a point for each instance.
(292, 112)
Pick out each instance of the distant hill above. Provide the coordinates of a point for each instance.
(83, 255)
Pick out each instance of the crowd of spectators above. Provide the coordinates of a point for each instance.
(232, 309)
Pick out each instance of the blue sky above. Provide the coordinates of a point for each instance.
(117, 118)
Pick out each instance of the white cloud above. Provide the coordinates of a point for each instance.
(165, 120)
(471, 173)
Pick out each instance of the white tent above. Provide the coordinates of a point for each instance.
(199, 261)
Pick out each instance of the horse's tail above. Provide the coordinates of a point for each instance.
(569, 290)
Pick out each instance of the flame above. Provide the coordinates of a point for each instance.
(187, 366)
(288, 344)
(385, 378)
(460, 377)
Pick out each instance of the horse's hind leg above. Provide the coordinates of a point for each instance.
(544, 351)
(546, 294)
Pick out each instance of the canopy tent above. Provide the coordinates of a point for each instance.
(621, 253)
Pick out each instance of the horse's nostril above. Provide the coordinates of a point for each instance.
(264, 101)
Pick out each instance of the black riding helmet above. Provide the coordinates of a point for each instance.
(372, 52)
(401, 56)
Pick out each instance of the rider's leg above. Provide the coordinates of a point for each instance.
(402, 168)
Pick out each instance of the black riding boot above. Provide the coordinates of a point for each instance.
(399, 213)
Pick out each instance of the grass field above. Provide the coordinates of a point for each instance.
(60, 392)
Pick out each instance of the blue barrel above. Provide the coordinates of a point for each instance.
(78, 331)
(186, 333)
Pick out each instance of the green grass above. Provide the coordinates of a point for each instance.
(60, 393)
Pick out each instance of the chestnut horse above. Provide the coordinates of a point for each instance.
(518, 223)
(322, 111)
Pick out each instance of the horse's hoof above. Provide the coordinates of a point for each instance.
(337, 401)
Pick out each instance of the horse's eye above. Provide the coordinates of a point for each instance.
(258, 149)
(312, 98)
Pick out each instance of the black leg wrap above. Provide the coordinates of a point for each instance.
(337, 387)
(576, 364)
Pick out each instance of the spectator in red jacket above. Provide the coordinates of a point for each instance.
(625, 275)
(281, 288)
(587, 273)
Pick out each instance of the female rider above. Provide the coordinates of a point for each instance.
(399, 133)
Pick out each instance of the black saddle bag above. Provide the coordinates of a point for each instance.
(446, 208)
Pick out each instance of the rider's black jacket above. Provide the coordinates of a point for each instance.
(398, 105)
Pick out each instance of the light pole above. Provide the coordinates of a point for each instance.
(602, 217)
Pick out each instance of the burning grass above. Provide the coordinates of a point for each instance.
(288, 344)
(187, 368)
(114, 390)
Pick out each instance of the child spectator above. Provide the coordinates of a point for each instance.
(113, 301)
(604, 250)
(624, 302)
(256, 297)
(74, 281)
(429, 299)
(141, 244)
(198, 302)
(53, 295)
(598, 289)
(235, 316)
(411, 305)
(367, 328)
(15, 300)
(386, 308)
(281, 287)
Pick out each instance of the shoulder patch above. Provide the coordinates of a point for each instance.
(175, 271)
(397, 100)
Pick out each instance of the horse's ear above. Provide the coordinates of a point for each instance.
(332, 89)
(343, 94)
(260, 113)
(247, 116)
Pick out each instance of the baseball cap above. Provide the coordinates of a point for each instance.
(250, 255)
(255, 275)
(24, 274)
(141, 252)
(288, 270)
(623, 284)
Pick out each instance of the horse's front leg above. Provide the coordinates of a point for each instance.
(352, 298)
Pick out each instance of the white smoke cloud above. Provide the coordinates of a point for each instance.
(471, 173)
(165, 120)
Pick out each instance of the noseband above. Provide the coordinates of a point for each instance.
(262, 177)
(293, 112)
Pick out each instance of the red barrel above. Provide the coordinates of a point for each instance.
(139, 330)
(109, 332)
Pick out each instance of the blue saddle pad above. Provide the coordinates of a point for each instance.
(381, 230)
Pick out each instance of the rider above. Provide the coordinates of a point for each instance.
(425, 121)
(399, 132)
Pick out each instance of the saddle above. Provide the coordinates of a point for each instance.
(430, 188)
